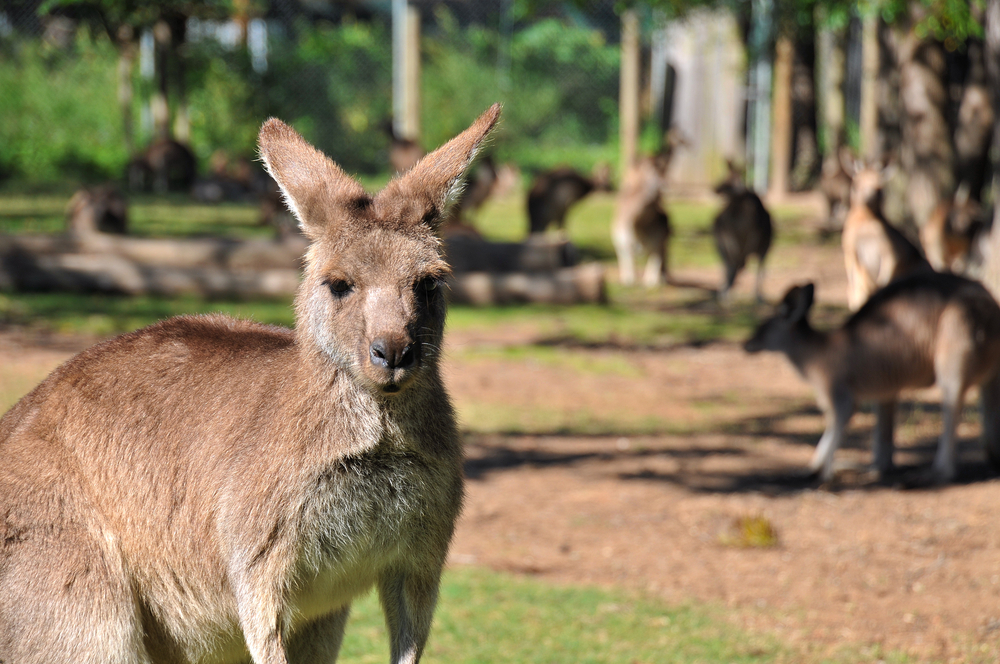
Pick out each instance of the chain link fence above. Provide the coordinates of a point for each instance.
(85, 91)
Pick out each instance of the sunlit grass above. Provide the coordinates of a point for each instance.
(485, 617)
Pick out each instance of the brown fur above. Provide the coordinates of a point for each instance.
(875, 252)
(97, 210)
(214, 490)
(926, 329)
(554, 192)
(742, 229)
(950, 233)
(641, 224)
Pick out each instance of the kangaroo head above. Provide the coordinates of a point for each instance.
(371, 299)
(734, 183)
(792, 312)
(867, 182)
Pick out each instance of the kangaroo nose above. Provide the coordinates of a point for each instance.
(390, 355)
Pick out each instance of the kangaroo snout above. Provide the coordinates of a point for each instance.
(392, 354)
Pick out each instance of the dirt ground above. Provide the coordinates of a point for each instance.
(896, 565)
(871, 566)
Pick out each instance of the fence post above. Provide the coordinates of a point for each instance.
(405, 70)
(628, 100)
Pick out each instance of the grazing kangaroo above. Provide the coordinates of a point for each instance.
(875, 252)
(741, 230)
(554, 192)
(214, 490)
(640, 223)
(926, 329)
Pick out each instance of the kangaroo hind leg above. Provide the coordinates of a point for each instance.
(63, 602)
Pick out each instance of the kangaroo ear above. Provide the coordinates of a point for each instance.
(315, 188)
(800, 301)
(436, 180)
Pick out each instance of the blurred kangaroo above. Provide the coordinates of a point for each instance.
(166, 165)
(102, 209)
(949, 236)
(741, 230)
(215, 490)
(641, 223)
(925, 329)
(554, 192)
(875, 252)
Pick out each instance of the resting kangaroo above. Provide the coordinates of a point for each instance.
(214, 490)
(875, 253)
(743, 229)
(923, 330)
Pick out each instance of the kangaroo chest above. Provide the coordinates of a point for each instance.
(368, 514)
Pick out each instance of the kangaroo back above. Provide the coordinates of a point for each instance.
(922, 330)
(209, 489)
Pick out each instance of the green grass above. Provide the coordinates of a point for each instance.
(149, 216)
(485, 617)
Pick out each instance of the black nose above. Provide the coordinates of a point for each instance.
(390, 355)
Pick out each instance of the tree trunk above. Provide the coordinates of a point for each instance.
(926, 155)
(125, 37)
(781, 133)
(628, 102)
(992, 24)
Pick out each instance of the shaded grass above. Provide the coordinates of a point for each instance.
(149, 216)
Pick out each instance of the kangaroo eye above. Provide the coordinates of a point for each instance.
(339, 287)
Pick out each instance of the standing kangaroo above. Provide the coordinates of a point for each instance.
(875, 252)
(640, 223)
(214, 490)
(741, 230)
(926, 329)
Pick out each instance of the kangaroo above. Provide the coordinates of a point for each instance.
(926, 329)
(214, 490)
(949, 235)
(554, 192)
(166, 165)
(875, 252)
(741, 230)
(101, 209)
(640, 223)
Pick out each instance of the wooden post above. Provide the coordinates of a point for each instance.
(868, 120)
(405, 70)
(628, 101)
(830, 63)
(781, 132)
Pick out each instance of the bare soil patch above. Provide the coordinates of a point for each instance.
(899, 565)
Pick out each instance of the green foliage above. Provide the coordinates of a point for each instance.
(59, 117)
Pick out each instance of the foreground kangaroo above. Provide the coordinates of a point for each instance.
(214, 490)
(926, 329)
(875, 252)
(743, 229)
